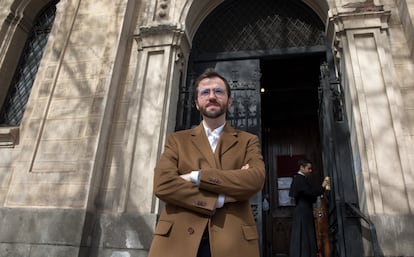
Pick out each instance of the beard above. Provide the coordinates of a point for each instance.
(213, 114)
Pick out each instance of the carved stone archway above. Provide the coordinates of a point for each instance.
(194, 12)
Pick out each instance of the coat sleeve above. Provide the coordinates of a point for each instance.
(302, 188)
(238, 183)
(172, 189)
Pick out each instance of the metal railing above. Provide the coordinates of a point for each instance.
(374, 239)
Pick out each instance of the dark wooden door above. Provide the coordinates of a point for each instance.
(284, 147)
(290, 132)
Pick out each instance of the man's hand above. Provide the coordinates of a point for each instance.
(245, 167)
(326, 183)
(229, 199)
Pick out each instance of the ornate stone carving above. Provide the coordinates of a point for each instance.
(366, 15)
(163, 8)
(159, 35)
(367, 6)
(164, 35)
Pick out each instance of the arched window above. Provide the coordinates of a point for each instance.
(14, 104)
(271, 24)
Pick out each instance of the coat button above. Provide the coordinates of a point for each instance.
(200, 203)
(190, 230)
(214, 180)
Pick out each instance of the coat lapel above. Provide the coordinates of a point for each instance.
(200, 141)
(228, 139)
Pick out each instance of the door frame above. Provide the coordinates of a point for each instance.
(291, 141)
(345, 225)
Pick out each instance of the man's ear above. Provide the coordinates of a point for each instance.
(230, 102)
(196, 104)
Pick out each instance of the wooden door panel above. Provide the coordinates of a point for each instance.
(281, 231)
(285, 145)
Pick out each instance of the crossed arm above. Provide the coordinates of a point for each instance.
(173, 184)
(225, 199)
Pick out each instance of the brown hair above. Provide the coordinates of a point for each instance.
(210, 73)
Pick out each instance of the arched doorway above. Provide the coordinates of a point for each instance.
(271, 52)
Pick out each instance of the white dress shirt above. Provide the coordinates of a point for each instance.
(213, 138)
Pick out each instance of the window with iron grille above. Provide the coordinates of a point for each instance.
(271, 24)
(19, 91)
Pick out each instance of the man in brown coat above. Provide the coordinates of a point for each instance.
(206, 183)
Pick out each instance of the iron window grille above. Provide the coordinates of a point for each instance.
(19, 91)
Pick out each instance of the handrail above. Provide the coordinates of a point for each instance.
(374, 239)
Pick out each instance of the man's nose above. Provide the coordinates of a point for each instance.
(212, 94)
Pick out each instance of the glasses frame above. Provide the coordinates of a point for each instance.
(217, 91)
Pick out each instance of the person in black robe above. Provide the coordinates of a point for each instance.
(303, 237)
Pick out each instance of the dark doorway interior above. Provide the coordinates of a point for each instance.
(291, 90)
(290, 130)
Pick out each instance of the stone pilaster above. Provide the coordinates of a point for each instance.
(151, 114)
(360, 37)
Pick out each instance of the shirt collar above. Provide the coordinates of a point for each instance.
(216, 131)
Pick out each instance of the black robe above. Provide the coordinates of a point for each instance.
(303, 236)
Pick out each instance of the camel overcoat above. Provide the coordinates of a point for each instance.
(190, 209)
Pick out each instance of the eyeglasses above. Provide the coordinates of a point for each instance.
(218, 92)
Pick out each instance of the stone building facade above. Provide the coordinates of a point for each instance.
(76, 172)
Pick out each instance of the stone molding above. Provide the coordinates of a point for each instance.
(164, 35)
(161, 35)
(339, 22)
(9, 136)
